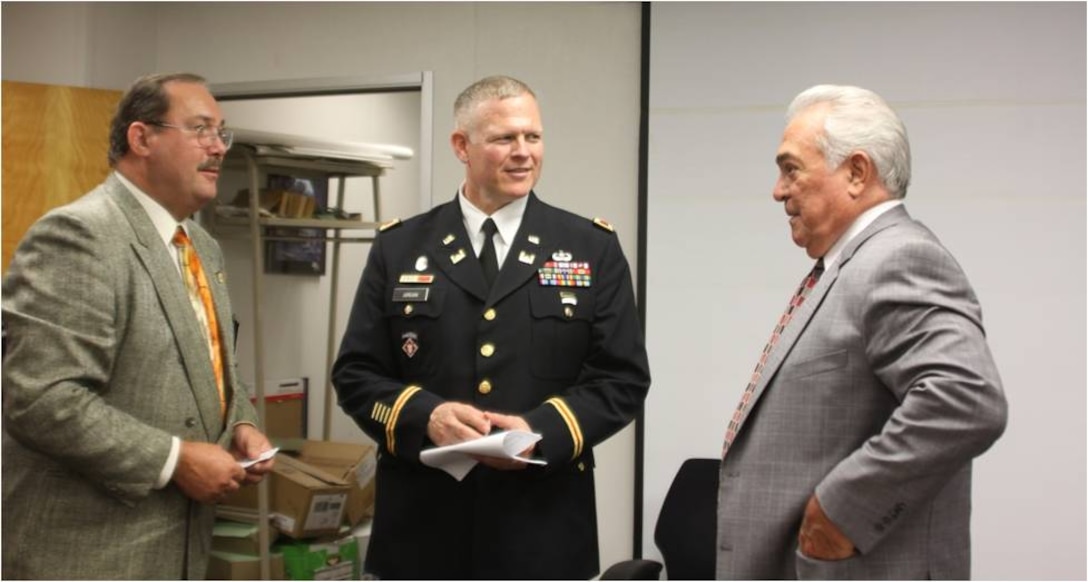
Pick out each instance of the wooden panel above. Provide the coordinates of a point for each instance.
(55, 141)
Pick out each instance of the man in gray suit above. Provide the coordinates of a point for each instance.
(850, 453)
(123, 425)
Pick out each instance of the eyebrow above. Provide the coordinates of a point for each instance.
(783, 157)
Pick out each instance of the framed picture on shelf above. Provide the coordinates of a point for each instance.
(298, 199)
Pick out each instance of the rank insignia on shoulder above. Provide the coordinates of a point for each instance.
(388, 225)
(604, 224)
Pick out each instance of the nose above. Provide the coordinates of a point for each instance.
(521, 147)
(779, 191)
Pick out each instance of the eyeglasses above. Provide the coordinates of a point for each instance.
(204, 133)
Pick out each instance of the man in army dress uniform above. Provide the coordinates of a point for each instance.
(435, 354)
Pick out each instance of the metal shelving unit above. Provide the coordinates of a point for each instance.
(257, 160)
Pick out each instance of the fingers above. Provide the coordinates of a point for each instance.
(454, 422)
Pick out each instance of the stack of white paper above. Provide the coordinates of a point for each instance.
(457, 461)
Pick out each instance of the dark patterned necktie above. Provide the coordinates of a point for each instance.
(489, 259)
(745, 402)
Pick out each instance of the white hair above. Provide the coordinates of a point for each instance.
(859, 120)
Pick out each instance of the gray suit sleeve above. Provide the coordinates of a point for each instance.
(925, 342)
(64, 308)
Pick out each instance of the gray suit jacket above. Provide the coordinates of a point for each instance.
(879, 394)
(105, 362)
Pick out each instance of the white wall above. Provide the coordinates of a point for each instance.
(993, 97)
(582, 59)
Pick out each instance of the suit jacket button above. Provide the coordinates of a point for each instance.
(485, 387)
(190, 422)
(487, 350)
(490, 314)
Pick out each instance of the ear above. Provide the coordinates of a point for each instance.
(139, 138)
(861, 173)
(459, 141)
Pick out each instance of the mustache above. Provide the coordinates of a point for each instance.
(212, 164)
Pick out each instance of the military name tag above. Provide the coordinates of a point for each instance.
(410, 294)
(415, 278)
(565, 274)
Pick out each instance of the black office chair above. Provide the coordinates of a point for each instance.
(686, 528)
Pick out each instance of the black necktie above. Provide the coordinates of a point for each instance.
(488, 258)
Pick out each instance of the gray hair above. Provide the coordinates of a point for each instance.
(486, 89)
(146, 100)
(859, 120)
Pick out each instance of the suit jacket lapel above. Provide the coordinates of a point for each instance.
(451, 248)
(804, 313)
(175, 301)
(527, 251)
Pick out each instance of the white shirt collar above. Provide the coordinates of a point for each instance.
(164, 222)
(507, 219)
(860, 223)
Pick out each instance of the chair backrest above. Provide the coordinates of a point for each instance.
(687, 526)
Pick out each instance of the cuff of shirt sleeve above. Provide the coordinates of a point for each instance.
(167, 472)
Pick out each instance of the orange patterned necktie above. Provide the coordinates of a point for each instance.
(746, 400)
(200, 296)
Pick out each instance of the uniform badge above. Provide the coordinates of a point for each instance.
(534, 239)
(410, 345)
(458, 256)
(449, 238)
(565, 274)
(526, 258)
(562, 256)
(569, 299)
(421, 263)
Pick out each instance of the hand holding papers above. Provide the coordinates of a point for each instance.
(457, 459)
(263, 457)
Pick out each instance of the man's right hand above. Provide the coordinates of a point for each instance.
(455, 422)
(207, 472)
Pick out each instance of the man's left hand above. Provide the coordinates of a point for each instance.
(507, 422)
(249, 443)
(821, 539)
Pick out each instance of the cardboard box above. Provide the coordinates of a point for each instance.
(335, 559)
(304, 501)
(285, 416)
(354, 463)
(228, 566)
(239, 538)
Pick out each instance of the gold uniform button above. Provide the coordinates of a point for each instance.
(581, 466)
(490, 314)
(487, 350)
(408, 309)
(485, 387)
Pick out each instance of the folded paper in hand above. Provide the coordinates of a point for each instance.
(457, 460)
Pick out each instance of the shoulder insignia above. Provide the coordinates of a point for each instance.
(388, 225)
(604, 224)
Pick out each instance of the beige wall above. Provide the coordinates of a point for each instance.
(582, 59)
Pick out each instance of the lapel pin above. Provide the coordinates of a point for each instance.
(458, 256)
(219, 276)
(449, 238)
(526, 258)
(534, 239)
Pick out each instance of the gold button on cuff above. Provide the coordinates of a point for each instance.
(490, 314)
(487, 350)
(485, 387)
(408, 309)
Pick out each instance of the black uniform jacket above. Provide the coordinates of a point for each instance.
(557, 340)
